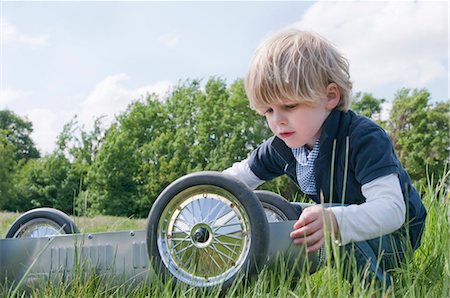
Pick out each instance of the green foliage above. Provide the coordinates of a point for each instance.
(420, 132)
(16, 150)
(17, 131)
(366, 105)
(79, 147)
(8, 165)
(46, 183)
(197, 127)
(57, 179)
(157, 141)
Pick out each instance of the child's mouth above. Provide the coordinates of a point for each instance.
(286, 134)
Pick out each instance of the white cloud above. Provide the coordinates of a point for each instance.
(11, 35)
(44, 128)
(109, 98)
(401, 43)
(10, 95)
(169, 40)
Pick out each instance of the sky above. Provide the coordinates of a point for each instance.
(60, 59)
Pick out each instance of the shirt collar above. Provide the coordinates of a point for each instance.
(304, 156)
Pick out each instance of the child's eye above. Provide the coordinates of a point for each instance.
(290, 107)
(268, 111)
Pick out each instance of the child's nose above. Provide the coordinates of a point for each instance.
(279, 118)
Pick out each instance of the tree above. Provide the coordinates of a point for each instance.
(16, 150)
(155, 142)
(7, 169)
(419, 131)
(45, 182)
(17, 131)
(57, 179)
(366, 105)
(116, 173)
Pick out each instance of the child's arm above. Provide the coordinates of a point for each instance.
(383, 212)
(242, 171)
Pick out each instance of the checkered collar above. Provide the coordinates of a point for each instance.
(304, 156)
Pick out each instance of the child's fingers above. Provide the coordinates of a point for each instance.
(300, 232)
(310, 239)
(299, 223)
(315, 246)
(306, 230)
(306, 217)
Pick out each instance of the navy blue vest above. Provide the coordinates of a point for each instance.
(353, 151)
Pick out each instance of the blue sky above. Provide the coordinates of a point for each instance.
(59, 59)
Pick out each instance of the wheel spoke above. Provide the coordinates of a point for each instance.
(192, 212)
(184, 249)
(224, 219)
(183, 262)
(223, 261)
(221, 253)
(224, 244)
(189, 260)
(182, 217)
(211, 223)
(200, 208)
(217, 228)
(213, 209)
(185, 229)
(229, 225)
(215, 262)
(229, 235)
(181, 241)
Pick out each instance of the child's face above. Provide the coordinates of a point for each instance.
(295, 123)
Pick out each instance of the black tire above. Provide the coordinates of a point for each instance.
(187, 240)
(41, 222)
(276, 207)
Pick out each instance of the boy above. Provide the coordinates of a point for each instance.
(301, 84)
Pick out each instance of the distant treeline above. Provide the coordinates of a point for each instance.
(121, 169)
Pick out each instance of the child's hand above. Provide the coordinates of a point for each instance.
(309, 228)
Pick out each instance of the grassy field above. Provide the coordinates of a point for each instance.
(427, 274)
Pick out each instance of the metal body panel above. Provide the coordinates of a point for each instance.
(282, 247)
(122, 255)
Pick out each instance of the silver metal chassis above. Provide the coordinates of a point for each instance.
(122, 255)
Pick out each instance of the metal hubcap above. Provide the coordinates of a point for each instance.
(203, 235)
(273, 214)
(39, 227)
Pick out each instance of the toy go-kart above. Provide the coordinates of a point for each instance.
(204, 229)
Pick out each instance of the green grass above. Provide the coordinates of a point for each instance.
(427, 274)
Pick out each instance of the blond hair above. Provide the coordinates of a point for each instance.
(297, 66)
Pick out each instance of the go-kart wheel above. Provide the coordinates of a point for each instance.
(205, 229)
(41, 222)
(276, 207)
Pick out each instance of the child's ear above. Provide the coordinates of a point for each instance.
(333, 96)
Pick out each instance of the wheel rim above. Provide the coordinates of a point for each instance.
(204, 235)
(39, 227)
(273, 214)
